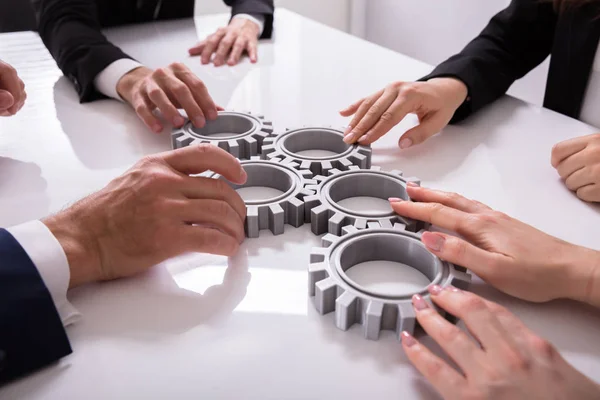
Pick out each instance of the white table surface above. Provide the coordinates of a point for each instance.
(207, 327)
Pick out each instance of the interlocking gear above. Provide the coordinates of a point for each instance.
(291, 144)
(240, 134)
(326, 214)
(275, 212)
(375, 310)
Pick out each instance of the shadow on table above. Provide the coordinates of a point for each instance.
(153, 305)
(106, 133)
(443, 153)
(22, 191)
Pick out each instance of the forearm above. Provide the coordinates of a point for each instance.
(72, 33)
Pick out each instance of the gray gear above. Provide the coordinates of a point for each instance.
(274, 213)
(334, 290)
(326, 215)
(240, 134)
(287, 146)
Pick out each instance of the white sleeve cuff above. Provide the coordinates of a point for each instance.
(258, 19)
(106, 81)
(50, 259)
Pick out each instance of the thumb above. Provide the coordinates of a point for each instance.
(6, 100)
(429, 126)
(460, 252)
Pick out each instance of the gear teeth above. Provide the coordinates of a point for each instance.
(346, 311)
(385, 223)
(406, 320)
(397, 172)
(336, 222)
(399, 227)
(325, 295)
(307, 175)
(354, 168)
(286, 142)
(255, 158)
(348, 229)
(360, 223)
(373, 225)
(377, 169)
(334, 171)
(334, 291)
(319, 217)
(295, 212)
(241, 145)
(276, 219)
(414, 180)
(316, 273)
(252, 225)
(372, 320)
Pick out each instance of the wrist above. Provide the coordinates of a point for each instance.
(455, 90)
(582, 281)
(126, 86)
(78, 243)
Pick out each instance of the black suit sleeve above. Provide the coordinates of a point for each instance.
(264, 7)
(72, 33)
(514, 42)
(31, 332)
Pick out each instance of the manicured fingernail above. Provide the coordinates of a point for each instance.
(395, 200)
(348, 129)
(412, 184)
(178, 121)
(363, 139)
(408, 340)
(452, 289)
(156, 128)
(419, 303)
(199, 122)
(349, 138)
(433, 241)
(435, 289)
(406, 143)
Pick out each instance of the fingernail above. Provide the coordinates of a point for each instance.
(412, 184)
(452, 289)
(407, 339)
(419, 303)
(349, 138)
(348, 129)
(433, 241)
(363, 139)
(156, 128)
(199, 122)
(178, 121)
(435, 289)
(394, 200)
(406, 143)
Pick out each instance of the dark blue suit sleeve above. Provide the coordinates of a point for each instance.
(31, 332)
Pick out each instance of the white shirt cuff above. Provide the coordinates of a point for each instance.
(106, 81)
(50, 259)
(258, 19)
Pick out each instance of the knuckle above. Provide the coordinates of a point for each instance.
(451, 334)
(517, 361)
(198, 85)
(408, 91)
(146, 162)
(180, 89)
(140, 109)
(473, 303)
(159, 73)
(387, 117)
(204, 148)
(177, 66)
(154, 92)
(434, 369)
(396, 85)
(543, 348)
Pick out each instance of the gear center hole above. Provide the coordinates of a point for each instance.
(388, 266)
(225, 126)
(315, 143)
(366, 194)
(264, 183)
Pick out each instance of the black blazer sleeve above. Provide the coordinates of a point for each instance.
(31, 332)
(264, 7)
(514, 42)
(72, 33)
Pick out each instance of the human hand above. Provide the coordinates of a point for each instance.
(229, 43)
(508, 254)
(12, 91)
(167, 89)
(153, 212)
(434, 102)
(578, 164)
(506, 361)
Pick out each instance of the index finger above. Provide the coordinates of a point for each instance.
(205, 157)
(453, 200)
(9, 81)
(567, 148)
(434, 213)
